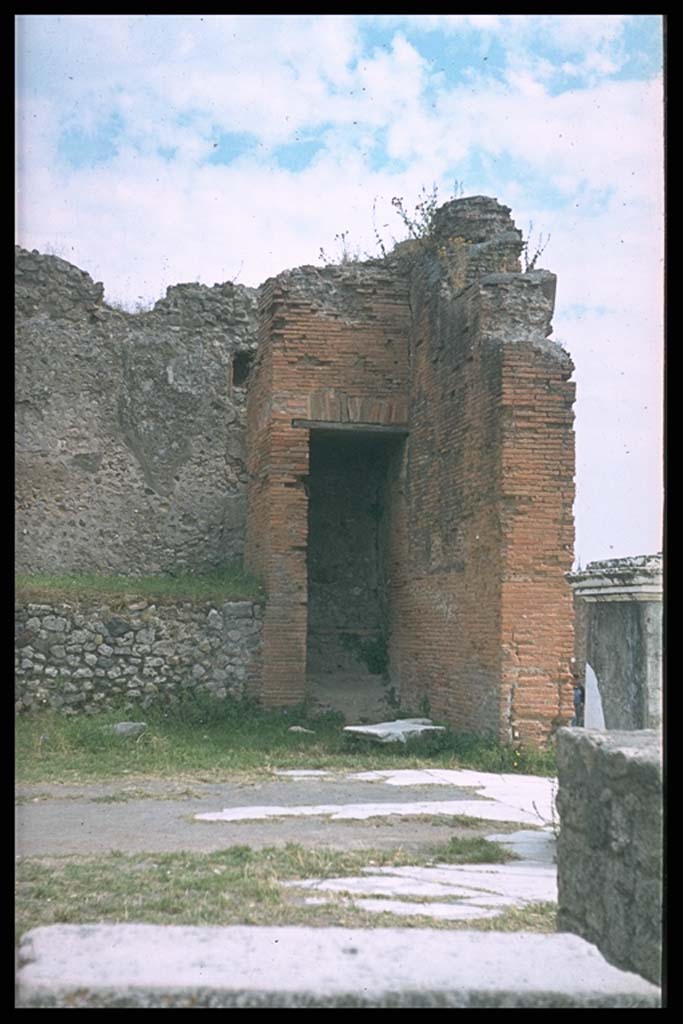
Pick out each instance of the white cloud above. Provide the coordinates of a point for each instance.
(440, 22)
(579, 32)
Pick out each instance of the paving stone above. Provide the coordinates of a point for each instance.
(485, 809)
(439, 911)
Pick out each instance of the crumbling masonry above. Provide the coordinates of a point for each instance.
(407, 451)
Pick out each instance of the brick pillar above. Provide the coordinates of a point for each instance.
(535, 506)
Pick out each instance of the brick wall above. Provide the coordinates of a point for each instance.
(333, 349)
(446, 637)
(537, 494)
(450, 340)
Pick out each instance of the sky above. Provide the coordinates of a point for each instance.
(158, 149)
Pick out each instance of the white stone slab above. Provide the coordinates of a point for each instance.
(399, 731)
(151, 966)
(439, 911)
(407, 777)
(381, 886)
(509, 884)
(485, 809)
(532, 794)
(530, 882)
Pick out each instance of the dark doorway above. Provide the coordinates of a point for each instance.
(348, 600)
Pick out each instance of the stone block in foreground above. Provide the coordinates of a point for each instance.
(609, 851)
(154, 966)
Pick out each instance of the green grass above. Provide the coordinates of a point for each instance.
(237, 885)
(473, 850)
(207, 739)
(231, 582)
(457, 821)
(135, 793)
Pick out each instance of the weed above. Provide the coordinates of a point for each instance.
(345, 253)
(487, 754)
(420, 223)
(553, 822)
(425, 706)
(531, 252)
(378, 238)
(473, 850)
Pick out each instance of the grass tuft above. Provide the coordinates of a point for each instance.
(473, 850)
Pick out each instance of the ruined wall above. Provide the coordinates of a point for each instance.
(609, 851)
(482, 611)
(333, 348)
(132, 456)
(88, 655)
(130, 437)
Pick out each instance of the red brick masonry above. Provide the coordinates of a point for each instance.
(445, 339)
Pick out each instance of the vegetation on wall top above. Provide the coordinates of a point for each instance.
(230, 583)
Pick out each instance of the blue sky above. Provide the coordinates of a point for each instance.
(155, 149)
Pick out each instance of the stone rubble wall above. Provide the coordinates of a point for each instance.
(130, 436)
(83, 656)
(609, 851)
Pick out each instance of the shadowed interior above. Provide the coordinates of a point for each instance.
(348, 614)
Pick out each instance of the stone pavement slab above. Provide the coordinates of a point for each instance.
(473, 890)
(151, 966)
(485, 809)
(530, 795)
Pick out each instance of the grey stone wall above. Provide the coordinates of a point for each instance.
(609, 850)
(618, 606)
(84, 656)
(129, 434)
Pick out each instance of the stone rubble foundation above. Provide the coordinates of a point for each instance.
(84, 656)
